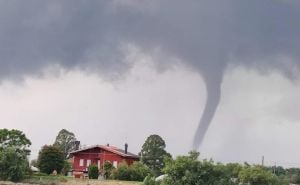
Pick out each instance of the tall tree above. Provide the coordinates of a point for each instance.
(13, 154)
(15, 139)
(13, 165)
(50, 158)
(256, 175)
(65, 141)
(153, 153)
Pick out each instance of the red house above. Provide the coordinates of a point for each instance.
(97, 155)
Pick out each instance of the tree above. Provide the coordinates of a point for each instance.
(34, 163)
(16, 139)
(50, 158)
(66, 168)
(153, 153)
(65, 140)
(233, 169)
(189, 170)
(256, 175)
(13, 165)
(13, 154)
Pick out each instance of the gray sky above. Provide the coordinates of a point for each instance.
(116, 71)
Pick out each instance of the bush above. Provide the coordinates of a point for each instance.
(150, 180)
(13, 165)
(50, 158)
(136, 172)
(295, 179)
(139, 171)
(108, 168)
(67, 167)
(189, 170)
(123, 172)
(93, 172)
(256, 175)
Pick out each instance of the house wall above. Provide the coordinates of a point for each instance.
(97, 154)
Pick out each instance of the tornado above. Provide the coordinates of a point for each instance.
(213, 90)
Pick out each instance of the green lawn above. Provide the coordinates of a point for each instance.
(63, 180)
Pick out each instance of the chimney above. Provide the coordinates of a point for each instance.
(126, 148)
(77, 144)
(107, 144)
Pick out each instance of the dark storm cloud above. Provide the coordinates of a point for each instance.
(205, 35)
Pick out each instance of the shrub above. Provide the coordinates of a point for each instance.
(136, 172)
(189, 170)
(150, 180)
(256, 175)
(123, 172)
(50, 158)
(13, 165)
(93, 172)
(108, 168)
(67, 167)
(295, 179)
(139, 171)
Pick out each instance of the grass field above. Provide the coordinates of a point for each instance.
(97, 182)
(62, 180)
(73, 182)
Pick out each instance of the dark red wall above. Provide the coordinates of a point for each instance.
(97, 154)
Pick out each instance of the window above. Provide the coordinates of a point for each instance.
(115, 164)
(99, 164)
(88, 162)
(81, 162)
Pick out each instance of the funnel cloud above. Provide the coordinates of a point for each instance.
(206, 36)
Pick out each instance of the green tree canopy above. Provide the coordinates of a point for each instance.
(13, 154)
(65, 141)
(13, 165)
(256, 175)
(153, 153)
(189, 170)
(50, 158)
(16, 139)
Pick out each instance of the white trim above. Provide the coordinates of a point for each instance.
(81, 162)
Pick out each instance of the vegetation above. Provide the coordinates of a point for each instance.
(139, 171)
(150, 180)
(45, 179)
(108, 168)
(13, 155)
(65, 141)
(16, 139)
(188, 170)
(123, 172)
(153, 153)
(50, 158)
(66, 168)
(191, 171)
(136, 172)
(13, 165)
(256, 175)
(93, 172)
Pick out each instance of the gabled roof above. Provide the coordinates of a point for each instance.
(112, 149)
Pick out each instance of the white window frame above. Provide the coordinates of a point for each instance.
(81, 162)
(88, 162)
(99, 164)
(115, 164)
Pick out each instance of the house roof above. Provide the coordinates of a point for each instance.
(112, 149)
